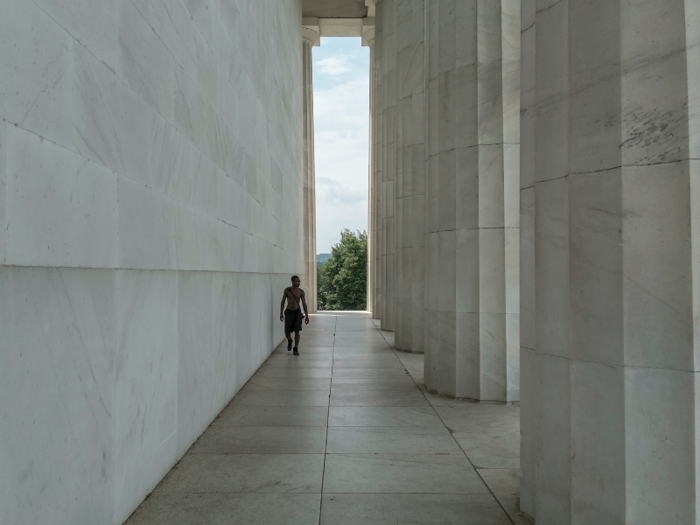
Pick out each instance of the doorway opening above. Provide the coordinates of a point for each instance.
(341, 109)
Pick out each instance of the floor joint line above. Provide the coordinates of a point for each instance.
(328, 415)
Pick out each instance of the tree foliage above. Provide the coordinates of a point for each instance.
(342, 280)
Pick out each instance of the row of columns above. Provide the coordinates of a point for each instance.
(579, 294)
(610, 252)
(563, 271)
(445, 237)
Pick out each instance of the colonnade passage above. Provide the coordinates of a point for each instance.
(345, 433)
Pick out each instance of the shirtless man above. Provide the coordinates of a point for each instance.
(295, 297)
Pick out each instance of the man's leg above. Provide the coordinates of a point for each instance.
(297, 336)
(289, 341)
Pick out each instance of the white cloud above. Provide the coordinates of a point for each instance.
(333, 65)
(341, 123)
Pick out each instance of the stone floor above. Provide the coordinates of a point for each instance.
(345, 434)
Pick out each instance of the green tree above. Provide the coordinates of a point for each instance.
(342, 280)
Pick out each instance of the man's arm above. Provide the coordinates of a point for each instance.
(284, 298)
(306, 310)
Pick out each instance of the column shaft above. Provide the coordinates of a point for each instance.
(310, 267)
(611, 255)
(377, 79)
(386, 41)
(409, 189)
(370, 186)
(472, 203)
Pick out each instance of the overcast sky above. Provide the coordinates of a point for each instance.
(341, 120)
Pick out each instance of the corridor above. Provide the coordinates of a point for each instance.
(345, 434)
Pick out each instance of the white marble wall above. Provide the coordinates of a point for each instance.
(472, 219)
(150, 214)
(409, 192)
(610, 261)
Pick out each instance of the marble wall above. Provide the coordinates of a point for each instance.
(150, 215)
(610, 258)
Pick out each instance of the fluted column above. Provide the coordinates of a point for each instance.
(611, 198)
(409, 188)
(386, 36)
(310, 39)
(377, 112)
(472, 209)
(373, 286)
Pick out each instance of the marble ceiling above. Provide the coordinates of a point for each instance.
(334, 8)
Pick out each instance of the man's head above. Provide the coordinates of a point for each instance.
(296, 281)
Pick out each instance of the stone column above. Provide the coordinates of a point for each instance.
(377, 112)
(386, 20)
(373, 291)
(611, 199)
(472, 208)
(409, 188)
(311, 38)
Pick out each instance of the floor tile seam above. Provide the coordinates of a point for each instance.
(278, 426)
(386, 426)
(328, 415)
(412, 454)
(411, 493)
(456, 442)
(418, 493)
(258, 453)
(284, 406)
(476, 470)
(184, 493)
(379, 406)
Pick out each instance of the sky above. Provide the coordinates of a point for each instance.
(341, 133)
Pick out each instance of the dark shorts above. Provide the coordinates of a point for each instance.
(292, 321)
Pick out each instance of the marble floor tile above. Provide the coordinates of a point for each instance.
(292, 361)
(379, 364)
(285, 398)
(486, 450)
(251, 473)
(374, 383)
(400, 473)
(268, 416)
(370, 372)
(378, 398)
(261, 440)
(295, 373)
(271, 383)
(316, 351)
(445, 401)
(351, 418)
(387, 440)
(228, 509)
(484, 418)
(383, 417)
(390, 509)
(505, 484)
(362, 351)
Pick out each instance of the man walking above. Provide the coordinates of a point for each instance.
(295, 297)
